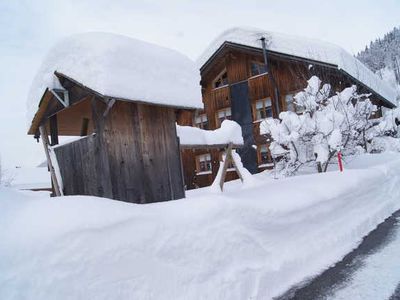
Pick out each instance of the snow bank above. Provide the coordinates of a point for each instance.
(229, 132)
(247, 243)
(307, 48)
(121, 67)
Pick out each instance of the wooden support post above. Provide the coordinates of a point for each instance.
(228, 159)
(53, 130)
(45, 141)
(84, 127)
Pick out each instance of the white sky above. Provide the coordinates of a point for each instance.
(28, 28)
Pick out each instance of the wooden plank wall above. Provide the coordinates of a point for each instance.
(77, 162)
(134, 155)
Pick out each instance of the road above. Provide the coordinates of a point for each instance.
(372, 271)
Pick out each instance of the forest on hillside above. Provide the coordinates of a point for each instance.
(383, 57)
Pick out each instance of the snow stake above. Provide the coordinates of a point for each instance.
(339, 157)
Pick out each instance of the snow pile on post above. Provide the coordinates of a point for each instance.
(249, 243)
(306, 48)
(120, 67)
(229, 132)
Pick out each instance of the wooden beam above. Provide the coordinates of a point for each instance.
(53, 130)
(45, 141)
(227, 160)
(110, 104)
(85, 127)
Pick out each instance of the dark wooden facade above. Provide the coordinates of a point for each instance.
(240, 89)
(129, 150)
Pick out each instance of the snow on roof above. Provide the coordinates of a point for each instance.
(306, 48)
(120, 67)
(229, 132)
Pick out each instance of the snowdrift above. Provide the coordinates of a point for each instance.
(247, 243)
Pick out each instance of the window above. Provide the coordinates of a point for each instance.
(203, 164)
(264, 156)
(258, 68)
(263, 109)
(289, 102)
(221, 80)
(201, 121)
(291, 106)
(223, 114)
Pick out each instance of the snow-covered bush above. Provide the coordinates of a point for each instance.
(389, 124)
(329, 123)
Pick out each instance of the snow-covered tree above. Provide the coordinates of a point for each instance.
(328, 124)
(383, 57)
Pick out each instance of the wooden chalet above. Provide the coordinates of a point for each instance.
(249, 75)
(129, 149)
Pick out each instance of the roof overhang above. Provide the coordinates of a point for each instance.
(49, 96)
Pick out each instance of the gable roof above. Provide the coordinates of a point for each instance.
(306, 48)
(120, 67)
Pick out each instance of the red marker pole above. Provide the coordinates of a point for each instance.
(339, 157)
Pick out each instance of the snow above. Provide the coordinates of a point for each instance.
(306, 48)
(229, 132)
(121, 67)
(250, 242)
(26, 178)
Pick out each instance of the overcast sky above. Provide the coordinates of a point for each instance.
(28, 28)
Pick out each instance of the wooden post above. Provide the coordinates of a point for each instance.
(45, 141)
(227, 160)
(53, 130)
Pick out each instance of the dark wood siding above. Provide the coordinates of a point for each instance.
(134, 155)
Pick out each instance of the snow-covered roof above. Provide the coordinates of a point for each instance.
(305, 48)
(120, 67)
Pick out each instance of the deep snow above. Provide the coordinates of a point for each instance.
(250, 242)
(122, 67)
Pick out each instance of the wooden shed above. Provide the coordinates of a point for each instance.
(121, 96)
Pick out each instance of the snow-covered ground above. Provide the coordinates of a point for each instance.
(254, 241)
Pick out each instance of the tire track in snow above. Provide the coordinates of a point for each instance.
(370, 271)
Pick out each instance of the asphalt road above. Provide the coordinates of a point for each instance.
(324, 285)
